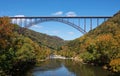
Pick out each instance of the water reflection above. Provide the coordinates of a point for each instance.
(67, 68)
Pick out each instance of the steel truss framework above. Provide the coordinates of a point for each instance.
(82, 24)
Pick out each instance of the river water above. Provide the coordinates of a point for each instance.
(67, 67)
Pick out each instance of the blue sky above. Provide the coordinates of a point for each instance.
(58, 8)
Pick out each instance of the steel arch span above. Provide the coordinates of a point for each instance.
(80, 23)
(57, 20)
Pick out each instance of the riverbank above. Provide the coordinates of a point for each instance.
(104, 67)
(65, 67)
(76, 59)
(58, 57)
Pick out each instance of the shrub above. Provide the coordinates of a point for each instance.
(115, 65)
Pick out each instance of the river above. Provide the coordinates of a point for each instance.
(67, 67)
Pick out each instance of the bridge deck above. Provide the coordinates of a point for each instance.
(64, 17)
(81, 23)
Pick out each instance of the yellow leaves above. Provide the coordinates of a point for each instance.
(4, 20)
(5, 25)
(106, 40)
(104, 37)
(6, 32)
(115, 65)
(115, 62)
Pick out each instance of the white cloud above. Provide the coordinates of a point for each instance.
(55, 32)
(19, 16)
(71, 14)
(37, 26)
(71, 33)
(59, 13)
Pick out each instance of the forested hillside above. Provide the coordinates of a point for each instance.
(100, 46)
(52, 42)
(18, 52)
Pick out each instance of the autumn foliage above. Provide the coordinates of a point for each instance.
(100, 46)
(17, 52)
(115, 63)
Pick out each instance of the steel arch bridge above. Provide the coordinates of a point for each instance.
(81, 23)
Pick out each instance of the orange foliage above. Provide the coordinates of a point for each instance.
(115, 62)
(115, 65)
(104, 37)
